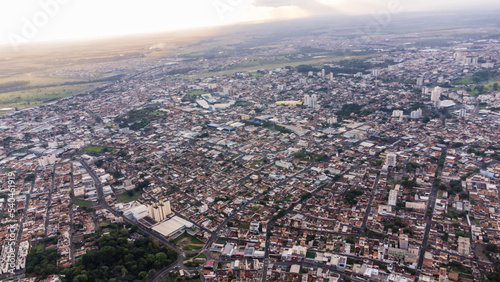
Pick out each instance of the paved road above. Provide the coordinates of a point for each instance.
(101, 200)
(368, 208)
(428, 220)
(49, 202)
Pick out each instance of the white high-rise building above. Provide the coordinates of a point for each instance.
(420, 81)
(463, 112)
(391, 159)
(416, 114)
(403, 241)
(332, 120)
(50, 159)
(397, 113)
(393, 197)
(323, 74)
(307, 100)
(331, 76)
(314, 101)
(159, 211)
(436, 93)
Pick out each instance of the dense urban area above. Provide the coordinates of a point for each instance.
(382, 164)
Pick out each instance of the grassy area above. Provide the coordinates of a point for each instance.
(256, 74)
(198, 93)
(98, 149)
(465, 81)
(38, 247)
(189, 239)
(244, 225)
(36, 96)
(191, 247)
(82, 203)
(257, 65)
(126, 198)
(258, 162)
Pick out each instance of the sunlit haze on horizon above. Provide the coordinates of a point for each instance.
(49, 20)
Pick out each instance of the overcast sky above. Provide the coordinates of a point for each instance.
(24, 21)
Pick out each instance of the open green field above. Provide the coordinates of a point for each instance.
(188, 239)
(260, 65)
(188, 242)
(98, 149)
(125, 198)
(36, 96)
(198, 93)
(82, 203)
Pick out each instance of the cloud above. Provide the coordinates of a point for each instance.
(311, 7)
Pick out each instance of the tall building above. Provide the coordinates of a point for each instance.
(314, 101)
(420, 81)
(323, 73)
(397, 113)
(403, 241)
(307, 100)
(160, 210)
(416, 114)
(464, 246)
(331, 76)
(463, 112)
(436, 93)
(393, 197)
(50, 159)
(391, 159)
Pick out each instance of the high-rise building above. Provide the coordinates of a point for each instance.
(332, 120)
(420, 81)
(331, 76)
(416, 114)
(393, 197)
(403, 241)
(463, 112)
(307, 100)
(323, 73)
(160, 210)
(314, 101)
(436, 93)
(397, 113)
(391, 159)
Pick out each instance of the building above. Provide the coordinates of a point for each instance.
(254, 227)
(175, 225)
(464, 246)
(463, 112)
(403, 241)
(50, 159)
(416, 114)
(416, 205)
(289, 103)
(314, 101)
(393, 197)
(420, 81)
(397, 113)
(332, 120)
(436, 93)
(159, 210)
(391, 159)
(307, 100)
